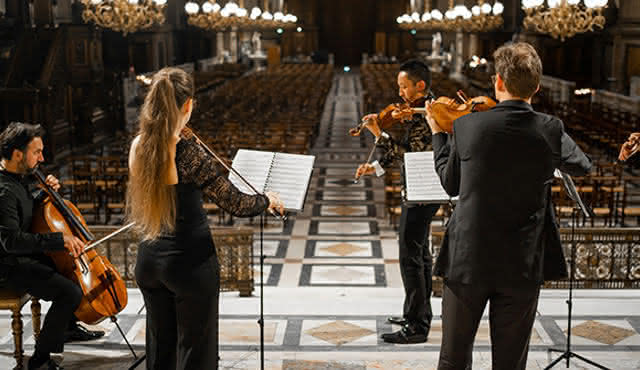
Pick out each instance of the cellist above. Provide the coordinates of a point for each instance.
(414, 81)
(23, 265)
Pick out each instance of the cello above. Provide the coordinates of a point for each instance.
(104, 290)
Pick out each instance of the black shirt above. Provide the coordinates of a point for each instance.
(417, 138)
(16, 211)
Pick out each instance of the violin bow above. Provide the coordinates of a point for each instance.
(230, 169)
(102, 240)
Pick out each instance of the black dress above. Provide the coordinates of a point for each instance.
(178, 273)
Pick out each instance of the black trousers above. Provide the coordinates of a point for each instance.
(40, 279)
(179, 279)
(416, 263)
(512, 312)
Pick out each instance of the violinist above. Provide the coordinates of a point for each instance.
(414, 80)
(502, 240)
(23, 265)
(177, 268)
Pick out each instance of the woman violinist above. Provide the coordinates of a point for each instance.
(414, 80)
(177, 268)
(24, 267)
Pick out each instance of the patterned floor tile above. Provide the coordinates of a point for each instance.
(321, 365)
(246, 332)
(603, 331)
(343, 248)
(343, 228)
(344, 195)
(344, 210)
(272, 248)
(345, 183)
(342, 275)
(271, 274)
(338, 333)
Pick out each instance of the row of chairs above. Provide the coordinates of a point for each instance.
(611, 189)
(97, 183)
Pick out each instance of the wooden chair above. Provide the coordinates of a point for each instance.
(14, 302)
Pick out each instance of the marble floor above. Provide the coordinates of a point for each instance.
(332, 277)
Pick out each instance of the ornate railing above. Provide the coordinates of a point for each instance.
(233, 246)
(604, 257)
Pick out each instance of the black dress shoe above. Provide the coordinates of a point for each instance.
(406, 335)
(397, 320)
(49, 365)
(80, 334)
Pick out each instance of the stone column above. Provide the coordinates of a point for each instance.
(457, 58)
(233, 44)
(474, 45)
(219, 46)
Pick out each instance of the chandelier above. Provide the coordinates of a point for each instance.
(564, 18)
(211, 16)
(126, 16)
(486, 17)
(481, 18)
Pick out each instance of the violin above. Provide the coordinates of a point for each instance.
(630, 147)
(446, 110)
(392, 114)
(104, 290)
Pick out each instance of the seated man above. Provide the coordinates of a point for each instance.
(24, 267)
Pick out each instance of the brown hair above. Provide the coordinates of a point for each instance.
(150, 200)
(520, 68)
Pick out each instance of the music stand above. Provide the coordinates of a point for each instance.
(587, 212)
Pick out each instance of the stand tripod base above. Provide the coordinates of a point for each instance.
(138, 361)
(567, 355)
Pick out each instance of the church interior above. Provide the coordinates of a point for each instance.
(326, 279)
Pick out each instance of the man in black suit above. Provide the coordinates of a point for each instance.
(502, 241)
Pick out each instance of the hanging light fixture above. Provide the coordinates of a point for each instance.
(562, 19)
(126, 16)
(486, 17)
(212, 16)
(458, 17)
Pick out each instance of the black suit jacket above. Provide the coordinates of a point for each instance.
(500, 163)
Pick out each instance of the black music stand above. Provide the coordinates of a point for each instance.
(587, 212)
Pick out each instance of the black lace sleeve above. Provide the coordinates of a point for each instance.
(196, 166)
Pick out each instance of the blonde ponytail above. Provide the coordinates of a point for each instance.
(150, 200)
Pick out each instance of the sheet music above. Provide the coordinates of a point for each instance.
(287, 174)
(290, 176)
(422, 181)
(254, 166)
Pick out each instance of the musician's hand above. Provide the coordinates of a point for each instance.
(369, 117)
(435, 128)
(365, 169)
(371, 123)
(53, 182)
(630, 146)
(275, 203)
(74, 245)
